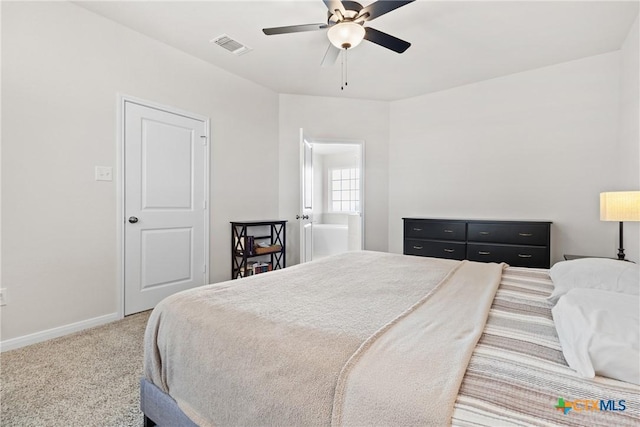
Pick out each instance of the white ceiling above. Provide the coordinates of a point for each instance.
(453, 42)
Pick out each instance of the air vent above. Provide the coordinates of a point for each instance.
(231, 45)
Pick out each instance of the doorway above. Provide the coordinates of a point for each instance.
(332, 195)
(164, 203)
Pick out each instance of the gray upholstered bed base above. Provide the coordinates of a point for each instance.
(160, 409)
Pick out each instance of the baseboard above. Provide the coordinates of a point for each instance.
(14, 343)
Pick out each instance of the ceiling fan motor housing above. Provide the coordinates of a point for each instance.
(351, 10)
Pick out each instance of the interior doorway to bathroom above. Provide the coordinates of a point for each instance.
(333, 174)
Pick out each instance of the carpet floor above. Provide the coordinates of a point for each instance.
(90, 378)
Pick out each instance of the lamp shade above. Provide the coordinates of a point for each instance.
(620, 206)
(346, 35)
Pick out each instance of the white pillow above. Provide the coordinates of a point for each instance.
(595, 273)
(600, 333)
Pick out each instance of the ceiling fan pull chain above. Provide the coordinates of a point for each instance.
(346, 68)
(342, 54)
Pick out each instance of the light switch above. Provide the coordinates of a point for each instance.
(104, 173)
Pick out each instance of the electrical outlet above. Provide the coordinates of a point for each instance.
(3, 296)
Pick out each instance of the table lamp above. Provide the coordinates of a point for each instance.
(620, 206)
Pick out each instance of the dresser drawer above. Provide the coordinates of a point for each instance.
(517, 234)
(514, 255)
(441, 230)
(434, 248)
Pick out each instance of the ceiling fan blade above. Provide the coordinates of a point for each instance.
(293, 29)
(385, 40)
(381, 7)
(330, 56)
(334, 5)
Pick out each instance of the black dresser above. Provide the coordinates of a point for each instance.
(518, 243)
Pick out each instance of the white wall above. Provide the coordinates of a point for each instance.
(629, 140)
(538, 145)
(338, 119)
(62, 68)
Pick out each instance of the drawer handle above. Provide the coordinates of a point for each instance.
(525, 234)
(447, 231)
(450, 250)
(417, 247)
(525, 255)
(484, 253)
(484, 233)
(417, 229)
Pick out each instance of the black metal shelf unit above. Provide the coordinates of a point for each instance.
(242, 251)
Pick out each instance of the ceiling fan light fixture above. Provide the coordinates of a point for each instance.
(346, 35)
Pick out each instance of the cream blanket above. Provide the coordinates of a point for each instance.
(323, 342)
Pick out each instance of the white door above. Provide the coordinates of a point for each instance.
(165, 204)
(305, 217)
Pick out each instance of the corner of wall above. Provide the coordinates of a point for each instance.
(629, 126)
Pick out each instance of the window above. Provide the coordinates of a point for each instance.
(345, 190)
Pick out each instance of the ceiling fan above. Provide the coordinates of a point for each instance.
(346, 27)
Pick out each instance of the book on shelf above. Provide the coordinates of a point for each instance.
(255, 268)
(245, 245)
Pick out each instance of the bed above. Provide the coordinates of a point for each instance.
(368, 338)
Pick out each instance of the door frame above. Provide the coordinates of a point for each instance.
(340, 141)
(120, 185)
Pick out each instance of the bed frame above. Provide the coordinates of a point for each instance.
(160, 409)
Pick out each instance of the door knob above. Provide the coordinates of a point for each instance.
(133, 219)
(303, 216)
